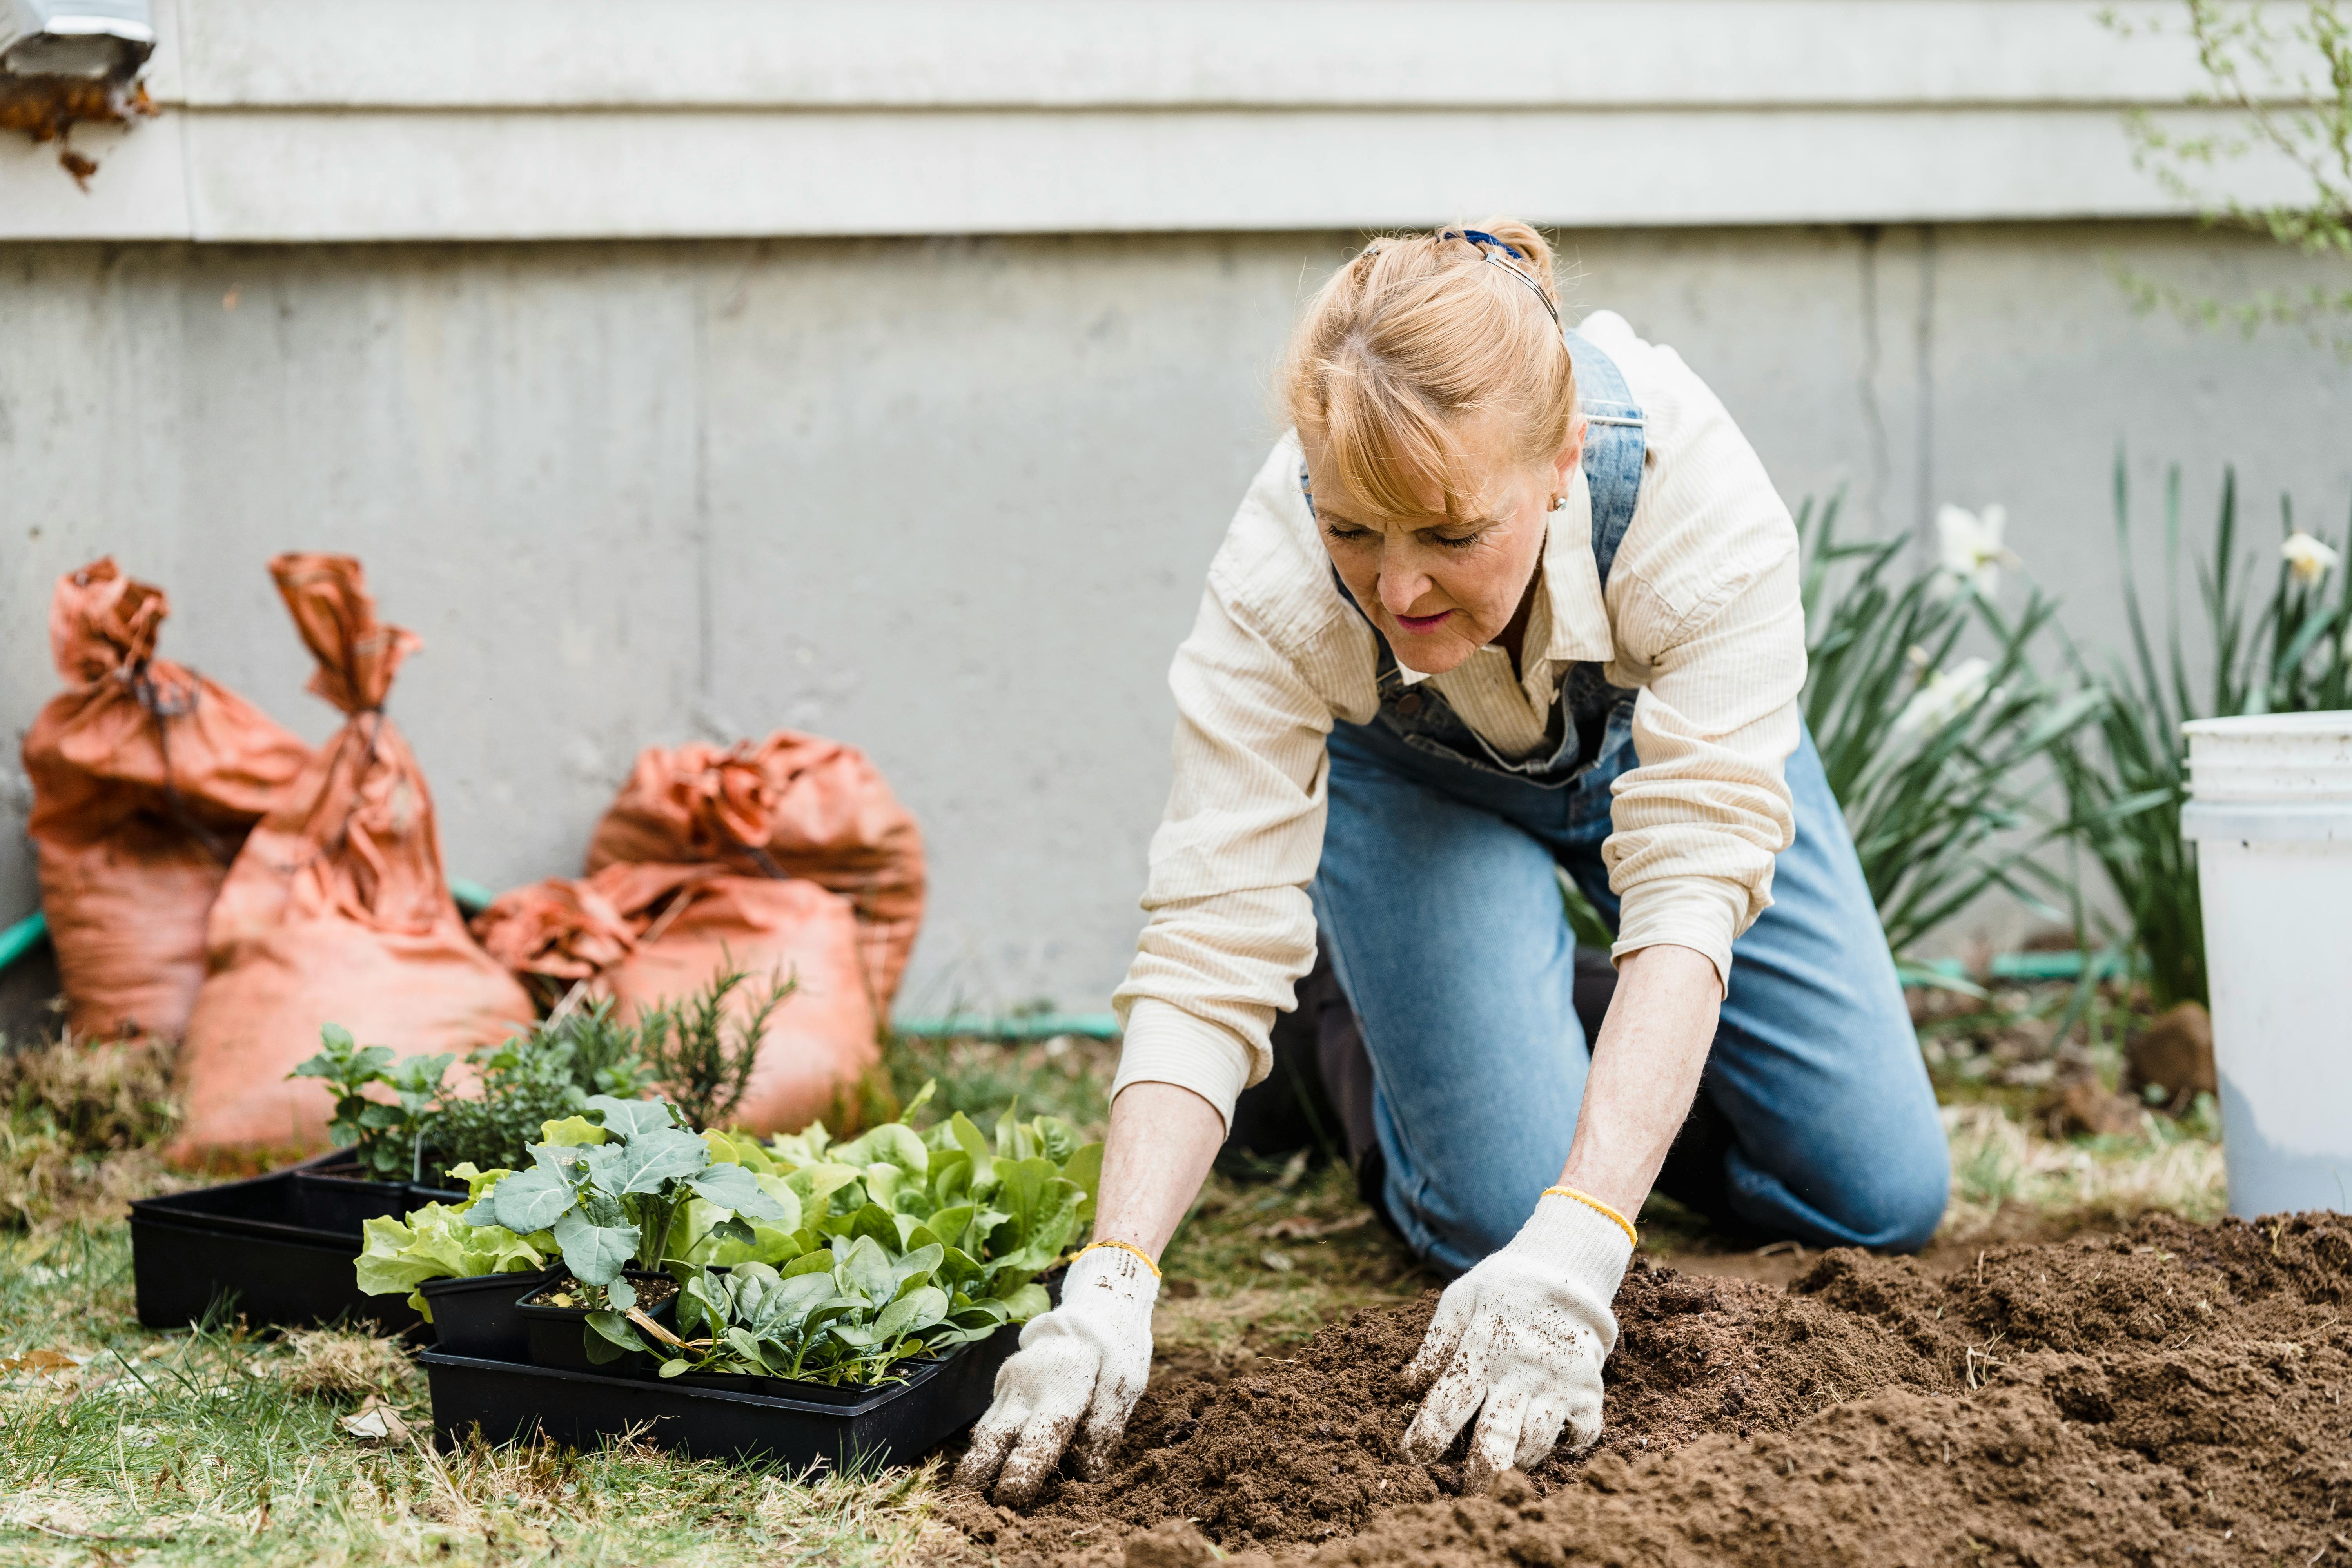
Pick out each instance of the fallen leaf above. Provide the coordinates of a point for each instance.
(375, 1422)
(42, 1361)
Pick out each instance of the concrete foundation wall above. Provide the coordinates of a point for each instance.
(951, 500)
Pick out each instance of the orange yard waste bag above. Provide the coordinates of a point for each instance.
(790, 805)
(337, 911)
(146, 778)
(648, 934)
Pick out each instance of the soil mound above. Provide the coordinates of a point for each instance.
(2172, 1395)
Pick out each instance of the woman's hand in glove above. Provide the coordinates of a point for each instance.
(1078, 1372)
(1520, 1339)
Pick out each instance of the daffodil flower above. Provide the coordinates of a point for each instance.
(1969, 546)
(2307, 558)
(1944, 696)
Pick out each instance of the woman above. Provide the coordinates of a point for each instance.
(1507, 602)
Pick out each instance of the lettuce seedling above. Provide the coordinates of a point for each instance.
(439, 1242)
(611, 1202)
(1011, 1204)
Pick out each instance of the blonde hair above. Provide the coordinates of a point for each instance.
(1417, 337)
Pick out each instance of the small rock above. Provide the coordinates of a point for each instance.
(2086, 1105)
(2175, 1053)
(1172, 1544)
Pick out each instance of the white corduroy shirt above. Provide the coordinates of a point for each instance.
(1702, 615)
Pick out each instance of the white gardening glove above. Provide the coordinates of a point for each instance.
(1085, 1361)
(1523, 1335)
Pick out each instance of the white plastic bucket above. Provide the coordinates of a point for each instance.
(2271, 815)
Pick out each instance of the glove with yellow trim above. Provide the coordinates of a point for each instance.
(1074, 1382)
(1520, 1339)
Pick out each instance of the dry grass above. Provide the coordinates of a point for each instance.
(2003, 1171)
(83, 1122)
(1259, 1265)
(337, 1362)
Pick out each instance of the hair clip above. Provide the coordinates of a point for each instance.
(1478, 239)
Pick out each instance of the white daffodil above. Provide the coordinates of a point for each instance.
(2307, 558)
(1944, 696)
(1969, 546)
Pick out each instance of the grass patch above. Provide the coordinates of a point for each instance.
(213, 1444)
(119, 1445)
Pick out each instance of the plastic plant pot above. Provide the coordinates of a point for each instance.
(251, 1246)
(334, 1196)
(556, 1337)
(896, 1423)
(482, 1316)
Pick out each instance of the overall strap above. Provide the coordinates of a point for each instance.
(1615, 443)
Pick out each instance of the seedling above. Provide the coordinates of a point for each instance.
(388, 1137)
(611, 1196)
(848, 1313)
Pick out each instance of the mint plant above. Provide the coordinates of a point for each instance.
(389, 1136)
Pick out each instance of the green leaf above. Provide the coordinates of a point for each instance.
(747, 1346)
(916, 1266)
(1044, 1211)
(910, 1314)
(609, 1336)
(818, 1260)
(893, 1143)
(1027, 1303)
(876, 1224)
(529, 1201)
(572, 1132)
(650, 1161)
(814, 1184)
(968, 1140)
(866, 1267)
(595, 1254)
(632, 1119)
(1056, 1139)
(735, 1187)
(1082, 1170)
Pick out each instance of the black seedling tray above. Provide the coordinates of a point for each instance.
(483, 1316)
(898, 1422)
(279, 1247)
(556, 1337)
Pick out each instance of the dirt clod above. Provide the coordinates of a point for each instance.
(2174, 1394)
(2174, 1054)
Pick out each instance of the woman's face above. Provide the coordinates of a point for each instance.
(1442, 587)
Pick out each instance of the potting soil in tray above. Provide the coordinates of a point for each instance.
(279, 1248)
(2174, 1394)
(902, 1421)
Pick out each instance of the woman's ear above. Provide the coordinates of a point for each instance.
(1564, 465)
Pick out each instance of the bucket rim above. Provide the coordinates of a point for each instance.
(2265, 726)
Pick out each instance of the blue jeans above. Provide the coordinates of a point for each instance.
(1439, 904)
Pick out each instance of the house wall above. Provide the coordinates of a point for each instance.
(952, 499)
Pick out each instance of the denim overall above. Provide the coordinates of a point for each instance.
(1438, 906)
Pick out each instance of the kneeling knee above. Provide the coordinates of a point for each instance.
(1900, 1202)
